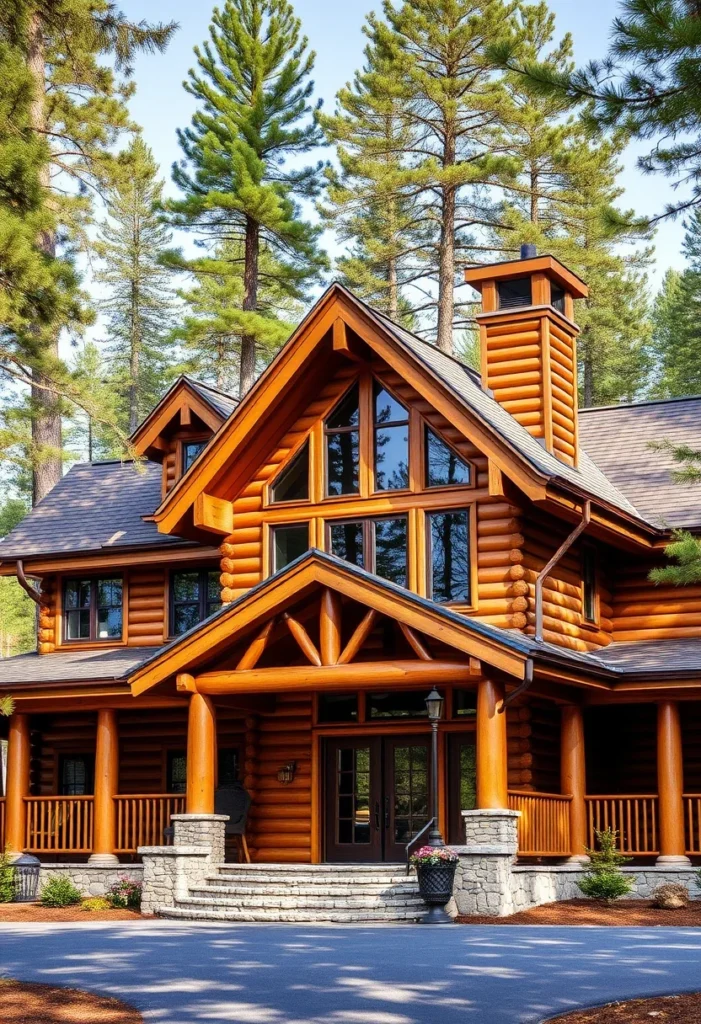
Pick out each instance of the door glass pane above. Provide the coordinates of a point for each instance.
(347, 542)
(450, 556)
(443, 467)
(410, 791)
(390, 550)
(353, 795)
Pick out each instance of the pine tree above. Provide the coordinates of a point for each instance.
(369, 201)
(677, 322)
(84, 436)
(140, 307)
(73, 110)
(17, 610)
(436, 51)
(241, 176)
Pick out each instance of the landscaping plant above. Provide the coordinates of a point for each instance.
(433, 855)
(672, 896)
(59, 892)
(94, 904)
(604, 879)
(125, 894)
(7, 879)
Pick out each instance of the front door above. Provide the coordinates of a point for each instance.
(377, 796)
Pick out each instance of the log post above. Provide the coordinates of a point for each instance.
(573, 777)
(18, 750)
(201, 753)
(106, 784)
(491, 746)
(670, 784)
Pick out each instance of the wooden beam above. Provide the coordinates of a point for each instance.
(359, 675)
(185, 415)
(330, 627)
(305, 642)
(362, 632)
(491, 746)
(573, 776)
(670, 784)
(341, 341)
(185, 683)
(253, 652)
(416, 645)
(215, 514)
(201, 755)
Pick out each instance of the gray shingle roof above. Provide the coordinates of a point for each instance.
(95, 506)
(70, 666)
(219, 400)
(618, 439)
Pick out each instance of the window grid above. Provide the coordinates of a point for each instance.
(93, 610)
(200, 597)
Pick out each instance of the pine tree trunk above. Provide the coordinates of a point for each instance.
(134, 361)
(247, 373)
(587, 371)
(393, 307)
(46, 404)
(534, 195)
(446, 257)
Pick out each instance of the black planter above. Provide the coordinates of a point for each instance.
(436, 888)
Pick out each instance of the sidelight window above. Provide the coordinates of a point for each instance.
(92, 609)
(589, 588)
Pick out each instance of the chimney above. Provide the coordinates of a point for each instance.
(528, 344)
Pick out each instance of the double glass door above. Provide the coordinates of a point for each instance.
(377, 796)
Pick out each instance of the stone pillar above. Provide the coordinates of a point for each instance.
(170, 871)
(106, 784)
(670, 784)
(491, 746)
(573, 777)
(18, 753)
(483, 879)
(201, 755)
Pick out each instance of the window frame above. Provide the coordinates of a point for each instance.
(183, 444)
(93, 638)
(590, 554)
(203, 602)
(269, 500)
(270, 535)
(368, 528)
(471, 548)
(88, 759)
(358, 383)
(425, 486)
(374, 427)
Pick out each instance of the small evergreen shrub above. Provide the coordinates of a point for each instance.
(94, 904)
(7, 879)
(670, 897)
(604, 880)
(125, 895)
(59, 892)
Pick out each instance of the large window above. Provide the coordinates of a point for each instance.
(444, 468)
(92, 609)
(292, 484)
(191, 449)
(378, 545)
(342, 430)
(288, 543)
(391, 426)
(193, 597)
(449, 556)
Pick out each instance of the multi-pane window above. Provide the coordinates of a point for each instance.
(293, 482)
(288, 543)
(589, 585)
(191, 449)
(342, 430)
(194, 596)
(378, 545)
(92, 609)
(444, 468)
(449, 556)
(391, 427)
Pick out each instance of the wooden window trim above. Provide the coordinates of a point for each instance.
(203, 574)
(471, 604)
(589, 551)
(93, 640)
(180, 451)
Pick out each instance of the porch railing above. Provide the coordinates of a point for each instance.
(633, 816)
(59, 824)
(692, 822)
(142, 819)
(544, 825)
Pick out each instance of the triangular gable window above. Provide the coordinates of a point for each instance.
(444, 467)
(292, 484)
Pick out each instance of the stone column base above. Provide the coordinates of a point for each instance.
(483, 877)
(169, 871)
(104, 860)
(680, 860)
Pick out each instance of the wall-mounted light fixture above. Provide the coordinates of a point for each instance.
(286, 774)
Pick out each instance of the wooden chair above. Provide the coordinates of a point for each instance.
(235, 801)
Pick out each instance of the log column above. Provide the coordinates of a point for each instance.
(573, 778)
(201, 755)
(491, 747)
(670, 784)
(106, 783)
(18, 749)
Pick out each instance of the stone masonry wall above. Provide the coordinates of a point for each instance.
(169, 871)
(91, 879)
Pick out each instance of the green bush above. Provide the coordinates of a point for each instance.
(125, 895)
(604, 880)
(7, 879)
(59, 892)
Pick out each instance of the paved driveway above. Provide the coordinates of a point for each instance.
(272, 974)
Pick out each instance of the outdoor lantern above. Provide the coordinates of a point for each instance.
(26, 870)
(286, 774)
(434, 705)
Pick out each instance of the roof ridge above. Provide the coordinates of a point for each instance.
(636, 405)
(210, 387)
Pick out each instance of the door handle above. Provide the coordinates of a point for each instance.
(377, 815)
(386, 812)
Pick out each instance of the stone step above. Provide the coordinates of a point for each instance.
(243, 890)
(318, 881)
(200, 897)
(292, 870)
(189, 913)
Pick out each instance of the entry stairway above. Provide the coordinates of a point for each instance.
(335, 893)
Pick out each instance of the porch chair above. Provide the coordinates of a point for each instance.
(235, 801)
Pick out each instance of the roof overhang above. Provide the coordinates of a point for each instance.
(181, 401)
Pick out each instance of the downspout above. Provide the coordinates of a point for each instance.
(26, 585)
(521, 688)
(564, 547)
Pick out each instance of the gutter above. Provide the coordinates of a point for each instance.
(564, 547)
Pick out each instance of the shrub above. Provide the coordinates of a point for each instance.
(125, 894)
(670, 897)
(604, 880)
(7, 879)
(59, 891)
(95, 904)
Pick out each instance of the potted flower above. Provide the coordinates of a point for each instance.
(435, 869)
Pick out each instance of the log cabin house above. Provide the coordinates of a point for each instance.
(272, 591)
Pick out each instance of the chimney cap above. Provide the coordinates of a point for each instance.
(548, 265)
(528, 251)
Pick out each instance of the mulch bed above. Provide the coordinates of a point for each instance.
(625, 913)
(34, 913)
(27, 1003)
(684, 1009)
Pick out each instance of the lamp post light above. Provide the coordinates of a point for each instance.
(434, 706)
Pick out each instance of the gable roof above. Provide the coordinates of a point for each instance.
(618, 438)
(95, 506)
(210, 404)
(218, 399)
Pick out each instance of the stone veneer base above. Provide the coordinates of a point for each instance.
(91, 879)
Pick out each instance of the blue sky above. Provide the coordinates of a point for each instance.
(334, 30)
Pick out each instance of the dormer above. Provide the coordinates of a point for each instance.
(180, 427)
(528, 344)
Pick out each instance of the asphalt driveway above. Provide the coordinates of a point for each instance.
(177, 973)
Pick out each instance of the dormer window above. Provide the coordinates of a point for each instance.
(391, 426)
(515, 293)
(342, 431)
(191, 449)
(292, 484)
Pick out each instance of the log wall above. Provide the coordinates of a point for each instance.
(533, 736)
(621, 749)
(643, 611)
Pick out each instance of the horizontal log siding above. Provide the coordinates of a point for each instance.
(146, 607)
(48, 619)
(281, 815)
(515, 370)
(563, 378)
(643, 611)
